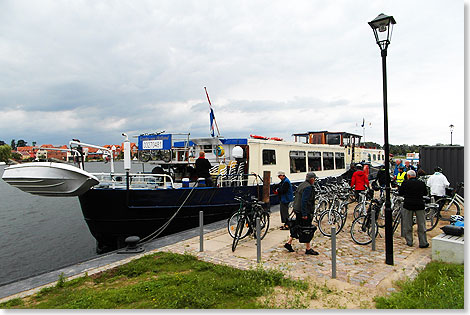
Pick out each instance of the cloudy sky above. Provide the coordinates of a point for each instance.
(94, 69)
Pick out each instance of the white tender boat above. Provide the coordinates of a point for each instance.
(49, 179)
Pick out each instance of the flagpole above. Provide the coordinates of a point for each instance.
(210, 106)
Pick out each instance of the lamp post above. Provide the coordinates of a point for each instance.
(382, 26)
(451, 129)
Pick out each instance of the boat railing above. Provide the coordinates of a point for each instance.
(136, 180)
(230, 180)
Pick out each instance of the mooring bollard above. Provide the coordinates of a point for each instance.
(258, 240)
(333, 252)
(372, 215)
(201, 231)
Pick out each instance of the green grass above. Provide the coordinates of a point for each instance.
(165, 281)
(438, 286)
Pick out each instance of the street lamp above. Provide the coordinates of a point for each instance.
(451, 129)
(382, 26)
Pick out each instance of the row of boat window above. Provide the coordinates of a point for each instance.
(312, 161)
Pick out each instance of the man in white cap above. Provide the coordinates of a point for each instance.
(286, 196)
(304, 204)
(413, 190)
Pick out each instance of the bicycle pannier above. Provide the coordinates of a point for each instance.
(305, 233)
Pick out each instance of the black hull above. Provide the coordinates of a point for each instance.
(114, 214)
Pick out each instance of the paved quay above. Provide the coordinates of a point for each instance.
(357, 265)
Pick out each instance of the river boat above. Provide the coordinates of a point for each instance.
(170, 198)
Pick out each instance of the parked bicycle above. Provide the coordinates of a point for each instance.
(243, 222)
(452, 204)
(361, 228)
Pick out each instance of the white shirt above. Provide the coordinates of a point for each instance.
(438, 183)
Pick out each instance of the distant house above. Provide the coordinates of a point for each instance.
(27, 152)
(43, 153)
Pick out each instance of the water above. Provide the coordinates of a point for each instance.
(40, 234)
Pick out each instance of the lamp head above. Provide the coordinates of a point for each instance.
(382, 26)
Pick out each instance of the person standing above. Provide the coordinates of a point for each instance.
(202, 169)
(401, 176)
(286, 196)
(304, 203)
(438, 183)
(359, 181)
(413, 190)
(398, 164)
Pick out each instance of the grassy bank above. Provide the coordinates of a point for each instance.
(167, 281)
(438, 286)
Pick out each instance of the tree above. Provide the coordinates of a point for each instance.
(13, 144)
(34, 143)
(5, 153)
(2, 142)
(21, 143)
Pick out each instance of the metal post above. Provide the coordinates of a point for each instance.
(201, 231)
(333, 252)
(258, 240)
(372, 213)
(388, 210)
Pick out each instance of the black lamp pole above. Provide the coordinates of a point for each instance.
(382, 26)
(451, 129)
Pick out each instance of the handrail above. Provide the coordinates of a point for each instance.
(166, 178)
(78, 143)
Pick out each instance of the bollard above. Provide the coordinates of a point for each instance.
(201, 231)
(333, 252)
(372, 216)
(258, 240)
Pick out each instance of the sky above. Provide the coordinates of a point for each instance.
(91, 70)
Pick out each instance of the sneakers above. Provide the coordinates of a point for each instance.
(311, 252)
(289, 247)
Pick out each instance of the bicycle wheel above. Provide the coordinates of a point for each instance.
(431, 215)
(450, 207)
(319, 208)
(328, 219)
(359, 210)
(381, 217)
(396, 221)
(361, 231)
(264, 224)
(232, 225)
(241, 226)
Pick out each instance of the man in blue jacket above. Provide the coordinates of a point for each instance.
(286, 196)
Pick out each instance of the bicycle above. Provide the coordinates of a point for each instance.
(361, 228)
(431, 216)
(451, 204)
(360, 208)
(243, 222)
(336, 215)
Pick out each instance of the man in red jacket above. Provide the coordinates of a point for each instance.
(359, 181)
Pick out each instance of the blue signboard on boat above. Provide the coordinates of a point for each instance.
(155, 142)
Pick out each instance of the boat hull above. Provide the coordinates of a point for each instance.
(114, 214)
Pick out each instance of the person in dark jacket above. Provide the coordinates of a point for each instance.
(286, 196)
(413, 190)
(304, 203)
(359, 181)
(382, 176)
(202, 169)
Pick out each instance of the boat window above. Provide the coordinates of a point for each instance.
(297, 161)
(269, 157)
(374, 157)
(328, 161)
(368, 157)
(333, 139)
(314, 161)
(339, 160)
(383, 157)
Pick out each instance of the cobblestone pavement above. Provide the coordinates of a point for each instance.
(355, 264)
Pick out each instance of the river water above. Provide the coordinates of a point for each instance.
(40, 234)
